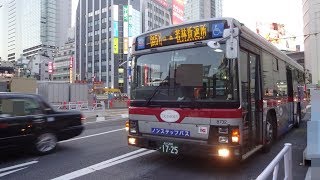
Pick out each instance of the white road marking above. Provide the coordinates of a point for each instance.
(108, 120)
(93, 135)
(10, 172)
(104, 164)
(18, 166)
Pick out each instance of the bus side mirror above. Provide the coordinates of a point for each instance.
(231, 43)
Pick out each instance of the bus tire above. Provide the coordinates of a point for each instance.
(270, 133)
(298, 117)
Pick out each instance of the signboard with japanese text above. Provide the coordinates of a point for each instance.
(182, 34)
(125, 21)
(115, 29)
(71, 70)
(50, 67)
(115, 12)
(115, 45)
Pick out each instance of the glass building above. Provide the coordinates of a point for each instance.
(104, 33)
(37, 26)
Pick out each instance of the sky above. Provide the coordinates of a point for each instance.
(74, 9)
(288, 12)
(248, 12)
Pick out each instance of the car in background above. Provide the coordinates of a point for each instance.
(27, 121)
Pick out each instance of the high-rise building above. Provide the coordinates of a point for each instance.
(156, 14)
(104, 32)
(14, 29)
(311, 14)
(37, 26)
(199, 9)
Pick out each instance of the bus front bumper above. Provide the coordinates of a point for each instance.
(185, 147)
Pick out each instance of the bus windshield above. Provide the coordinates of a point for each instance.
(199, 74)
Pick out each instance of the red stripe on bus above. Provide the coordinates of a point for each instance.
(203, 113)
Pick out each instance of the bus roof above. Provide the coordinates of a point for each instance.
(245, 32)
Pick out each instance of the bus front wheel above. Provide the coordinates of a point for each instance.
(271, 133)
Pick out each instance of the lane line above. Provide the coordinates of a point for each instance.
(13, 171)
(100, 166)
(93, 135)
(107, 120)
(17, 166)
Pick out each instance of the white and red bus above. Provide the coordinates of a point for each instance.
(211, 88)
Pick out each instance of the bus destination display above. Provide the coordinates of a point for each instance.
(181, 34)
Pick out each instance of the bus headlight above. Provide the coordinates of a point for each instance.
(223, 139)
(133, 127)
(223, 130)
(223, 152)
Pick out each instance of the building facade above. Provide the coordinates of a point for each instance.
(41, 67)
(104, 32)
(37, 26)
(156, 14)
(63, 62)
(199, 9)
(311, 21)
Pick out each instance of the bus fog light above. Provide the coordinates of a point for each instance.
(223, 152)
(223, 139)
(132, 141)
(235, 139)
(133, 130)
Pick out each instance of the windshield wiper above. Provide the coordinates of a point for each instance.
(154, 92)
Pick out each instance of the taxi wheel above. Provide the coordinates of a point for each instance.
(45, 143)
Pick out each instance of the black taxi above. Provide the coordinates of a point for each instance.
(27, 121)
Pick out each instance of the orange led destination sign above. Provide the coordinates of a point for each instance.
(180, 34)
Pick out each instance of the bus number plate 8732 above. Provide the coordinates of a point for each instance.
(169, 148)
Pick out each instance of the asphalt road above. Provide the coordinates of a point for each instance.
(101, 152)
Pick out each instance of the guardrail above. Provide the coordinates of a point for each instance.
(84, 105)
(286, 154)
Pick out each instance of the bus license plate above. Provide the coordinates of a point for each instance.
(169, 148)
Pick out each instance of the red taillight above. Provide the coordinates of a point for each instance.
(82, 117)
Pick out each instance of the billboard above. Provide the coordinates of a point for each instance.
(276, 34)
(115, 45)
(115, 12)
(115, 29)
(163, 3)
(125, 45)
(177, 11)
